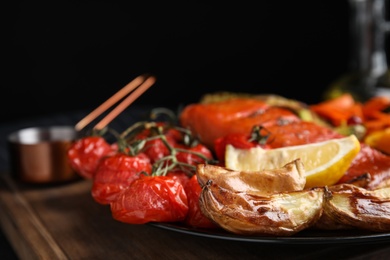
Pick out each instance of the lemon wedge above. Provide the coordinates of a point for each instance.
(324, 162)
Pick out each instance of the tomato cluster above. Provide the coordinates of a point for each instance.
(147, 175)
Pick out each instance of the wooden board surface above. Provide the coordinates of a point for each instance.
(64, 222)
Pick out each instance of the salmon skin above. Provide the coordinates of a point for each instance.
(238, 115)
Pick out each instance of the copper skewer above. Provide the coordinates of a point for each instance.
(142, 83)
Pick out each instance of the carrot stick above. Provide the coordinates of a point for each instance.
(374, 105)
(338, 110)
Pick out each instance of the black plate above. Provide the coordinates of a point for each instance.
(303, 237)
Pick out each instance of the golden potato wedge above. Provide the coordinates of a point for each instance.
(279, 214)
(290, 177)
(352, 206)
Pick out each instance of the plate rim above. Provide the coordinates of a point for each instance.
(361, 236)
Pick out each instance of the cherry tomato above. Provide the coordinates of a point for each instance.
(238, 140)
(174, 135)
(151, 199)
(354, 120)
(180, 176)
(85, 154)
(156, 148)
(115, 173)
(189, 156)
(195, 217)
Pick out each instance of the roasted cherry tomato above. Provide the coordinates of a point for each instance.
(191, 155)
(151, 199)
(174, 135)
(180, 176)
(156, 148)
(85, 154)
(115, 173)
(195, 217)
(241, 141)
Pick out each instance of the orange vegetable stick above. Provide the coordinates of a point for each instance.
(374, 105)
(338, 110)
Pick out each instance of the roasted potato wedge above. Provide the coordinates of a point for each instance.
(349, 206)
(279, 214)
(290, 177)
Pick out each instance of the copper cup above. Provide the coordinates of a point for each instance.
(39, 154)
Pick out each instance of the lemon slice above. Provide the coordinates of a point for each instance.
(324, 162)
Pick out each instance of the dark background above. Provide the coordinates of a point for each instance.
(61, 56)
(72, 55)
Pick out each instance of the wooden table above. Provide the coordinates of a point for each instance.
(64, 222)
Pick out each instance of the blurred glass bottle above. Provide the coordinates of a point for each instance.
(368, 74)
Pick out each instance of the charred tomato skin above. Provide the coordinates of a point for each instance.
(151, 199)
(85, 153)
(115, 173)
(195, 217)
(189, 156)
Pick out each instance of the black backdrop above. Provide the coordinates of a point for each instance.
(71, 55)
